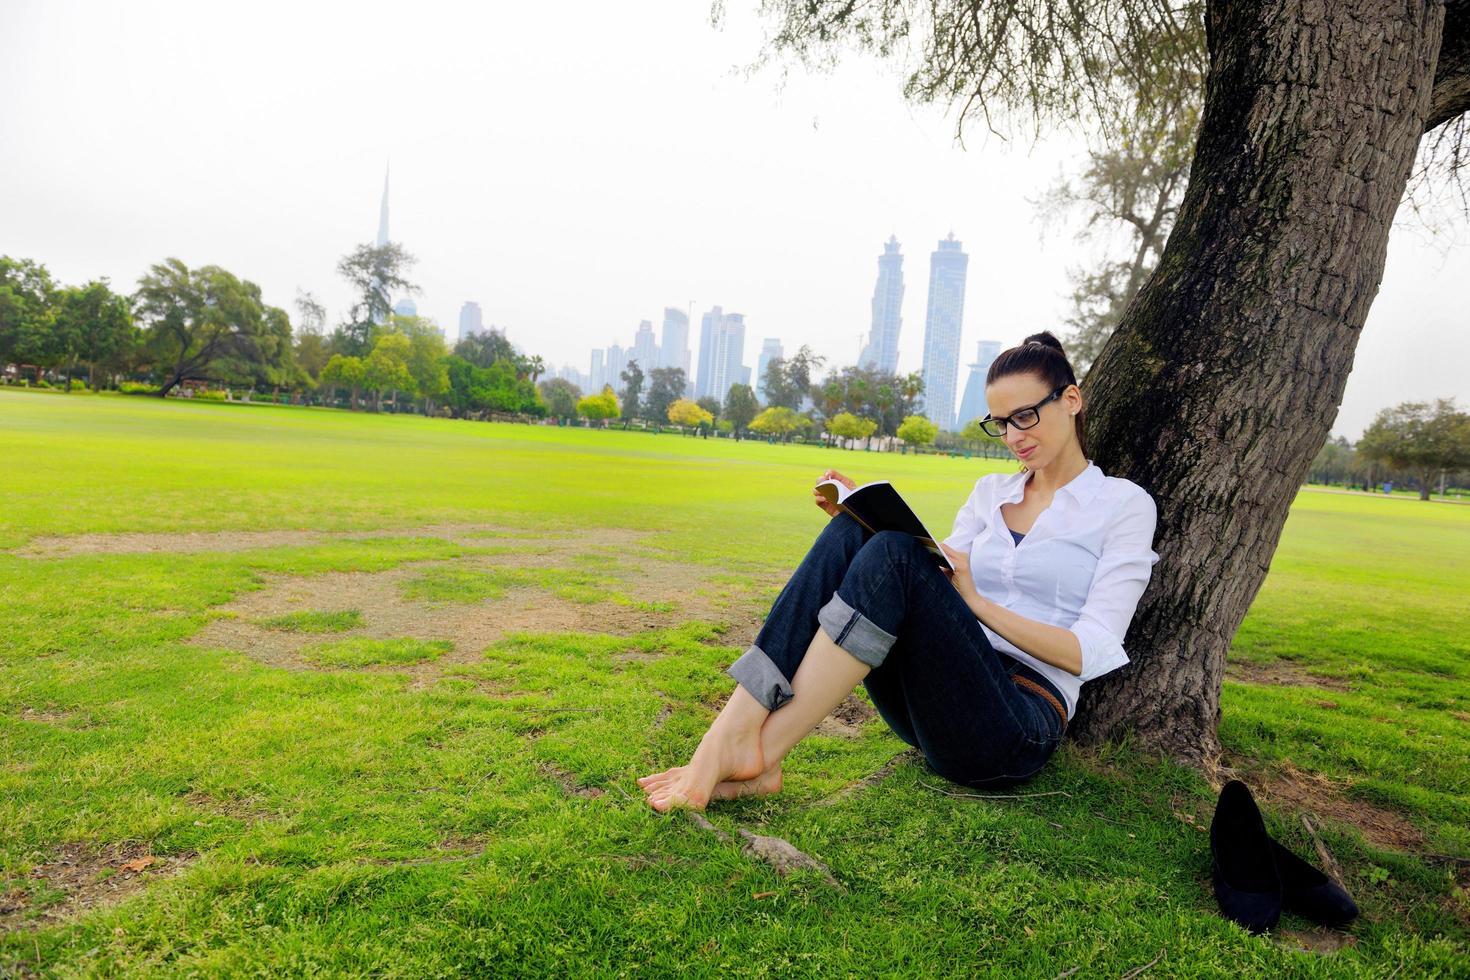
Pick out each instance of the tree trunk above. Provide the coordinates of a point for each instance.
(1223, 380)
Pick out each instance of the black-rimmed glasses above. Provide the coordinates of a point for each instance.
(1021, 418)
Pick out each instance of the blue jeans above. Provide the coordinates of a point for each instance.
(936, 680)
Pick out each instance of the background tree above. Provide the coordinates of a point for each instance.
(788, 380)
(741, 408)
(474, 391)
(846, 425)
(1420, 438)
(712, 405)
(309, 345)
(199, 320)
(342, 371)
(271, 363)
(778, 420)
(665, 386)
(917, 431)
(51, 341)
(1334, 462)
(427, 358)
(688, 413)
(560, 396)
(26, 299)
(632, 378)
(109, 337)
(1223, 378)
(375, 273)
(386, 369)
(910, 392)
(311, 315)
(485, 349)
(311, 352)
(600, 406)
(867, 393)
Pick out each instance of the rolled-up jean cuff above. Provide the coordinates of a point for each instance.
(854, 632)
(762, 678)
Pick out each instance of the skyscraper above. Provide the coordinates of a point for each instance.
(471, 320)
(770, 350)
(597, 377)
(617, 359)
(881, 350)
(645, 348)
(406, 307)
(942, 324)
(674, 352)
(383, 213)
(380, 315)
(972, 404)
(721, 349)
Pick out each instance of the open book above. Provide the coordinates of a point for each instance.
(878, 507)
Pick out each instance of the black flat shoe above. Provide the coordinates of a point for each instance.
(1310, 893)
(1247, 884)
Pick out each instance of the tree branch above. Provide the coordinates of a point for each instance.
(1451, 93)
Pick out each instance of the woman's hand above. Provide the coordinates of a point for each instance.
(960, 577)
(821, 501)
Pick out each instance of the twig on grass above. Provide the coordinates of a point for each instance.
(872, 779)
(778, 853)
(698, 819)
(1139, 969)
(1461, 862)
(546, 711)
(994, 796)
(1066, 973)
(1328, 861)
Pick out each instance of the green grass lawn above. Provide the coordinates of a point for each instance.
(301, 691)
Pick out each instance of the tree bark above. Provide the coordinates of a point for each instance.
(1224, 378)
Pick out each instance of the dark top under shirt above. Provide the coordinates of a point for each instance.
(1017, 535)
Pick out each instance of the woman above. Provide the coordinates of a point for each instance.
(979, 669)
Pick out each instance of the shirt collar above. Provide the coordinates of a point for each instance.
(1081, 488)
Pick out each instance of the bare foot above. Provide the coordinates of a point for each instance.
(725, 753)
(765, 784)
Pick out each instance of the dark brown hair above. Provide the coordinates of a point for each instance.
(1041, 354)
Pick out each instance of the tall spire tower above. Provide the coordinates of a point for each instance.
(383, 213)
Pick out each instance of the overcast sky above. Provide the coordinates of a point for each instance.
(574, 168)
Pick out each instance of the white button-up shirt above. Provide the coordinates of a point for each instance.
(1082, 566)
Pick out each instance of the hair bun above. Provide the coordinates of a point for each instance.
(1045, 339)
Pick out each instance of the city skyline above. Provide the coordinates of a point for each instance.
(576, 229)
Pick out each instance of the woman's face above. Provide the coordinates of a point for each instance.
(1053, 434)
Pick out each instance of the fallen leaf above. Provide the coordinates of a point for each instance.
(765, 894)
(139, 864)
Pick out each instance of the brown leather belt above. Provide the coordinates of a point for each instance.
(1051, 699)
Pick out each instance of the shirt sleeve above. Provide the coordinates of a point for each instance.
(1118, 582)
(971, 519)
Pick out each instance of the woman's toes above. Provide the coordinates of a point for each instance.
(655, 788)
(656, 777)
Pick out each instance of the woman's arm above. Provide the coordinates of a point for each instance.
(1093, 645)
(1050, 644)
